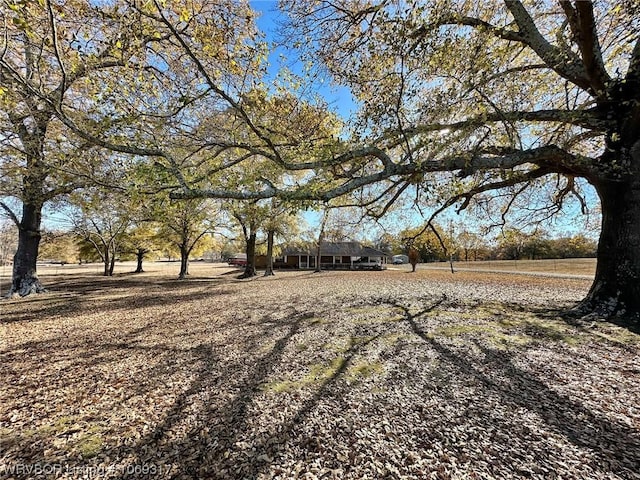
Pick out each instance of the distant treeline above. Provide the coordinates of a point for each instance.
(509, 245)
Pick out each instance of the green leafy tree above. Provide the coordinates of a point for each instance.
(8, 240)
(414, 258)
(577, 246)
(142, 241)
(52, 55)
(425, 242)
(511, 244)
(470, 243)
(120, 75)
(249, 216)
(101, 219)
(280, 221)
(59, 246)
(184, 224)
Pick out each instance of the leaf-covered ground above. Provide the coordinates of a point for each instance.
(345, 375)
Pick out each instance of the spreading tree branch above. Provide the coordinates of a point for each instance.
(56, 48)
(550, 157)
(503, 33)
(583, 26)
(10, 213)
(564, 62)
(583, 118)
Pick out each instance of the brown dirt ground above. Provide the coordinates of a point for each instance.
(345, 375)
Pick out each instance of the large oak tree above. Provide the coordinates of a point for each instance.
(458, 99)
(51, 54)
(76, 75)
(502, 95)
(505, 94)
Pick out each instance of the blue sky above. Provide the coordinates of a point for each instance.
(341, 101)
(338, 97)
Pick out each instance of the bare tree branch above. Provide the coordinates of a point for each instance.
(499, 32)
(551, 157)
(56, 48)
(10, 213)
(583, 118)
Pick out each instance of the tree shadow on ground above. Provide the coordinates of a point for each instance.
(211, 427)
(199, 436)
(611, 442)
(79, 296)
(65, 360)
(575, 316)
(216, 454)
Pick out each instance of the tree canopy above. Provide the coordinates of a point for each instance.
(457, 100)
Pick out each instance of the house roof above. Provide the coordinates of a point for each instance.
(351, 249)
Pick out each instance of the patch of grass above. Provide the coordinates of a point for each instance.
(282, 386)
(551, 331)
(459, 330)
(511, 331)
(364, 370)
(503, 341)
(86, 441)
(366, 309)
(317, 321)
(320, 373)
(614, 334)
(90, 443)
(61, 426)
(345, 344)
(508, 322)
(375, 314)
(356, 341)
(581, 266)
(492, 333)
(395, 338)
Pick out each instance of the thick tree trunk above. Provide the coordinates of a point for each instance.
(184, 263)
(250, 267)
(25, 280)
(139, 256)
(414, 256)
(616, 288)
(269, 271)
